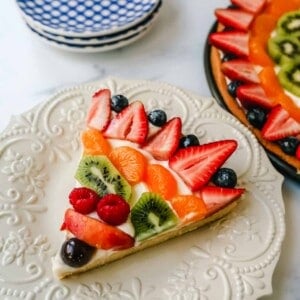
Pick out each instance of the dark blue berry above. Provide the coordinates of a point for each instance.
(289, 145)
(256, 117)
(76, 253)
(118, 103)
(225, 177)
(228, 57)
(157, 117)
(188, 140)
(232, 87)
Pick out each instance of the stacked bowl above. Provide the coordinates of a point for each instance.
(89, 25)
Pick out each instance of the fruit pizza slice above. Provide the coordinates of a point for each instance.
(140, 181)
(255, 64)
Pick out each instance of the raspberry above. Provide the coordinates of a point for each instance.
(113, 209)
(84, 200)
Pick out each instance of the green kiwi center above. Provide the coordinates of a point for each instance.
(284, 48)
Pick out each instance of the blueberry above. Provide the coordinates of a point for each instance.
(289, 145)
(256, 117)
(228, 57)
(225, 177)
(232, 87)
(118, 103)
(157, 117)
(76, 253)
(188, 140)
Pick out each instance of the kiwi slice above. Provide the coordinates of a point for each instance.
(289, 77)
(284, 48)
(99, 174)
(151, 215)
(289, 24)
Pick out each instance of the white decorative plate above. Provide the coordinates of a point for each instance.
(233, 258)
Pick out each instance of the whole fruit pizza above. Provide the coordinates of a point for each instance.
(139, 182)
(254, 61)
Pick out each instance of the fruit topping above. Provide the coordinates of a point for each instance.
(278, 7)
(76, 253)
(253, 6)
(188, 141)
(235, 42)
(160, 181)
(189, 208)
(129, 162)
(130, 124)
(83, 200)
(253, 95)
(113, 209)
(234, 18)
(279, 125)
(228, 57)
(197, 164)
(233, 86)
(225, 177)
(99, 111)
(274, 90)
(289, 145)
(118, 103)
(283, 48)
(215, 198)
(96, 233)
(289, 77)
(100, 175)
(240, 69)
(165, 141)
(256, 117)
(157, 117)
(298, 152)
(289, 23)
(94, 143)
(151, 215)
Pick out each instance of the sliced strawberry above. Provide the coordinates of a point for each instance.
(130, 124)
(235, 18)
(240, 69)
(279, 125)
(96, 233)
(215, 198)
(253, 6)
(165, 142)
(298, 152)
(197, 164)
(98, 115)
(235, 42)
(253, 95)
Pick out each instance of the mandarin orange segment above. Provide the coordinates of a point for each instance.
(130, 162)
(189, 208)
(261, 30)
(94, 143)
(161, 181)
(274, 90)
(258, 54)
(269, 81)
(278, 7)
(262, 26)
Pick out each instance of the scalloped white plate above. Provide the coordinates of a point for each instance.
(233, 258)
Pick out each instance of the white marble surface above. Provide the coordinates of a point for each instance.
(172, 52)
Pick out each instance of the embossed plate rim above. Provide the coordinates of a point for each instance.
(141, 286)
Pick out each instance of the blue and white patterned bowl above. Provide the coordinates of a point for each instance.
(85, 18)
(96, 40)
(103, 47)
